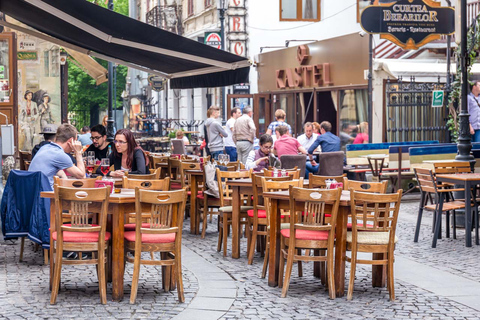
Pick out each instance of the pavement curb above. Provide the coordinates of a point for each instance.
(217, 290)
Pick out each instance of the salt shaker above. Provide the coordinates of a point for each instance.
(284, 173)
(275, 173)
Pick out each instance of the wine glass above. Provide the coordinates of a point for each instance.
(105, 167)
(226, 158)
(90, 165)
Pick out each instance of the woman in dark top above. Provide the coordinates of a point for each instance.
(127, 155)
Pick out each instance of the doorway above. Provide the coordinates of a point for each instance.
(326, 109)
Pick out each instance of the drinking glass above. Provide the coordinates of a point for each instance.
(220, 158)
(227, 158)
(91, 154)
(90, 165)
(105, 167)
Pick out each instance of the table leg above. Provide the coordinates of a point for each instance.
(193, 204)
(274, 254)
(118, 258)
(340, 249)
(235, 222)
(468, 215)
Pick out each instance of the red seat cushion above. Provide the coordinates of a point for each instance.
(131, 226)
(349, 226)
(306, 234)
(151, 238)
(175, 185)
(262, 214)
(190, 192)
(200, 196)
(69, 236)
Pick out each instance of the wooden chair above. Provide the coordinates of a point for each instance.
(452, 167)
(174, 165)
(292, 169)
(312, 230)
(364, 186)
(163, 235)
(315, 181)
(269, 185)
(428, 186)
(131, 182)
(27, 164)
(76, 183)
(225, 209)
(80, 235)
(293, 172)
(236, 164)
(257, 217)
(374, 221)
(185, 177)
(24, 157)
(149, 176)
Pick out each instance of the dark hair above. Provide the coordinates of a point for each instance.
(265, 138)
(132, 146)
(100, 129)
(282, 130)
(46, 95)
(65, 132)
(26, 93)
(327, 126)
(85, 129)
(233, 111)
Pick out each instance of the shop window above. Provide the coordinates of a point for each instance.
(4, 71)
(361, 4)
(299, 10)
(51, 61)
(190, 8)
(353, 117)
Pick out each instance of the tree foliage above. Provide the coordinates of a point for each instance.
(84, 95)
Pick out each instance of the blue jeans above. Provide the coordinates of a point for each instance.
(215, 154)
(310, 168)
(232, 152)
(476, 136)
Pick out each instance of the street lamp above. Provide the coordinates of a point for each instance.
(222, 6)
(464, 144)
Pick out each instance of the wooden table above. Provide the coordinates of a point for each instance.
(468, 180)
(240, 187)
(196, 176)
(281, 200)
(119, 205)
(375, 161)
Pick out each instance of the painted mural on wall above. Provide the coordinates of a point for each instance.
(38, 88)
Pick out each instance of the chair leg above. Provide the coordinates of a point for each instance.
(102, 281)
(45, 256)
(454, 225)
(353, 266)
(226, 228)
(22, 246)
(390, 279)
(288, 272)
(166, 273)
(438, 224)
(419, 218)
(330, 276)
(253, 243)
(136, 275)
(57, 273)
(265, 260)
(299, 264)
(281, 266)
(447, 224)
(220, 235)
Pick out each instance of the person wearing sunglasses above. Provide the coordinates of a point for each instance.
(99, 144)
(127, 156)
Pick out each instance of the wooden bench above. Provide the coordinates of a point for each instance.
(419, 156)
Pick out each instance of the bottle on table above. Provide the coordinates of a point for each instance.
(109, 151)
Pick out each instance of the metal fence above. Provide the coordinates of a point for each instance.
(410, 115)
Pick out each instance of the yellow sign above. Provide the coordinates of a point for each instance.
(27, 55)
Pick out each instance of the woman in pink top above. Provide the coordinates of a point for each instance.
(362, 136)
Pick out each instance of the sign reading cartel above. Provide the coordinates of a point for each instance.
(409, 24)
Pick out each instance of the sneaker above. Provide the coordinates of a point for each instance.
(71, 255)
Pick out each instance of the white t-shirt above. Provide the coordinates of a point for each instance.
(228, 141)
(305, 142)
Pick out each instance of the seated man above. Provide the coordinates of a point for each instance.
(84, 138)
(48, 132)
(286, 144)
(52, 159)
(309, 137)
(327, 141)
(99, 142)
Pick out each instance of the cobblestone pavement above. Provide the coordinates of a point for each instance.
(24, 290)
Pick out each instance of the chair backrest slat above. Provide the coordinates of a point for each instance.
(364, 186)
(315, 181)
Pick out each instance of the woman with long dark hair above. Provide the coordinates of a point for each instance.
(127, 155)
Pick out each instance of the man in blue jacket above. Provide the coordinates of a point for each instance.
(327, 141)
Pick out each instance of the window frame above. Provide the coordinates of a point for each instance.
(190, 11)
(300, 11)
(208, 3)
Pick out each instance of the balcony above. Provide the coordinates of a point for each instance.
(153, 17)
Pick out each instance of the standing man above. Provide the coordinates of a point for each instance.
(309, 137)
(84, 138)
(230, 147)
(244, 134)
(215, 132)
(474, 111)
(327, 140)
(52, 158)
(279, 121)
(99, 142)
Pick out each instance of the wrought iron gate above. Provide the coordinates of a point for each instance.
(410, 116)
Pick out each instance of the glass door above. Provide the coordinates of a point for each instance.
(262, 112)
(237, 101)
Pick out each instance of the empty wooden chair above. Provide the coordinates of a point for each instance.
(164, 235)
(374, 221)
(310, 229)
(174, 173)
(80, 235)
(364, 186)
(76, 183)
(315, 181)
(149, 176)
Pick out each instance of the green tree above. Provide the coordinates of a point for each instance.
(84, 95)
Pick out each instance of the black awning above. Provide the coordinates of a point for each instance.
(112, 36)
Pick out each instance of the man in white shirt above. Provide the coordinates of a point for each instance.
(230, 147)
(308, 138)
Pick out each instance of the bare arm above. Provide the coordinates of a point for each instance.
(302, 149)
(77, 171)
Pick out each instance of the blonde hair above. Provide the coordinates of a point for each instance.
(316, 126)
(104, 121)
(280, 114)
(363, 127)
(179, 134)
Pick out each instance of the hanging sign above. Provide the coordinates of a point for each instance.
(157, 83)
(409, 24)
(27, 55)
(213, 39)
(437, 98)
